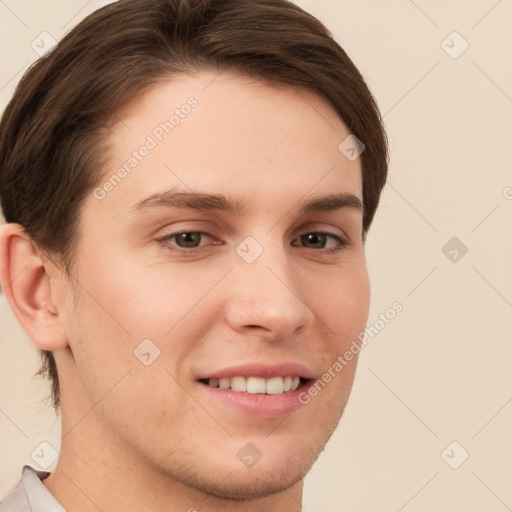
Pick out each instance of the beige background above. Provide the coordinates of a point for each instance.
(441, 370)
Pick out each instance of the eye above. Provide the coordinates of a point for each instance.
(185, 239)
(192, 240)
(319, 238)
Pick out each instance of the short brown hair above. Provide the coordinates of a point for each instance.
(52, 130)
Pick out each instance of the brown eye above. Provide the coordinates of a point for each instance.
(318, 239)
(185, 239)
(189, 239)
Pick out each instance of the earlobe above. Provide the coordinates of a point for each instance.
(26, 284)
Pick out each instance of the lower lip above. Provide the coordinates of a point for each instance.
(259, 404)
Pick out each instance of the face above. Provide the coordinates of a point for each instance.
(249, 289)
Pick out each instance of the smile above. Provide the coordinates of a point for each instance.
(261, 389)
(254, 385)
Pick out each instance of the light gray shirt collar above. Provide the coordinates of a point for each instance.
(30, 494)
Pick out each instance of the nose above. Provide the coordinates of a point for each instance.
(265, 297)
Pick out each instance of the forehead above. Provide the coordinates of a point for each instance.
(227, 133)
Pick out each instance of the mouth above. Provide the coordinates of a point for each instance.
(257, 385)
(259, 390)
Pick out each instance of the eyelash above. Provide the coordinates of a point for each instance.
(342, 242)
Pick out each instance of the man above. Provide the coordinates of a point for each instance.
(187, 188)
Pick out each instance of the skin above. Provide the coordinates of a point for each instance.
(150, 437)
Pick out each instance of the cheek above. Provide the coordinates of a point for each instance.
(123, 303)
(130, 299)
(342, 309)
(343, 305)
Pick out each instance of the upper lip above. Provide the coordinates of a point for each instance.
(265, 370)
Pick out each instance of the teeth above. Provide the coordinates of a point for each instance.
(255, 385)
(272, 386)
(224, 383)
(238, 384)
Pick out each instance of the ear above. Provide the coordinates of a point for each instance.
(26, 284)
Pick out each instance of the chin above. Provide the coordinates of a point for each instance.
(250, 484)
(229, 480)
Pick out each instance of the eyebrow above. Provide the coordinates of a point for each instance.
(221, 203)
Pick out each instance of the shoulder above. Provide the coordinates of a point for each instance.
(30, 495)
